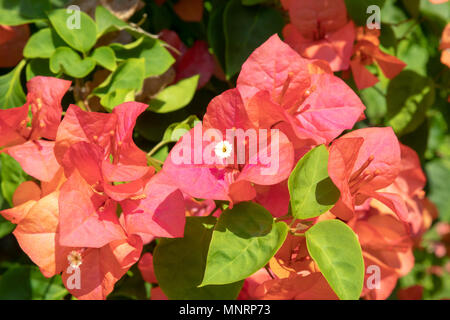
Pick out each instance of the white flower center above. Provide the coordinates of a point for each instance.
(223, 149)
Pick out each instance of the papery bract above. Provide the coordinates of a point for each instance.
(366, 52)
(319, 29)
(233, 180)
(302, 93)
(360, 164)
(12, 41)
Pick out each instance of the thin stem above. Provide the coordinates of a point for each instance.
(282, 218)
(157, 147)
(47, 289)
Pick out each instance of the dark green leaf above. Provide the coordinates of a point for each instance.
(246, 28)
(172, 255)
(438, 172)
(409, 96)
(357, 9)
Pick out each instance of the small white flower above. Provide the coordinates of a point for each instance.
(75, 259)
(223, 149)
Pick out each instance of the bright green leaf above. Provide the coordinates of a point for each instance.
(68, 61)
(181, 283)
(335, 248)
(42, 44)
(11, 91)
(243, 241)
(157, 59)
(176, 96)
(82, 38)
(117, 88)
(11, 176)
(311, 189)
(106, 21)
(105, 57)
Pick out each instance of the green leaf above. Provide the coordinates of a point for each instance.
(157, 59)
(117, 88)
(38, 67)
(374, 98)
(438, 173)
(173, 133)
(11, 176)
(106, 21)
(68, 61)
(409, 96)
(105, 57)
(311, 189)
(21, 282)
(246, 28)
(181, 283)
(436, 14)
(357, 9)
(17, 12)
(335, 248)
(42, 44)
(176, 96)
(6, 227)
(252, 2)
(216, 35)
(244, 240)
(82, 38)
(11, 91)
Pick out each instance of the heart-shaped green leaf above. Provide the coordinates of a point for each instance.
(176, 96)
(105, 57)
(311, 189)
(76, 28)
(335, 248)
(42, 44)
(243, 241)
(68, 61)
(171, 255)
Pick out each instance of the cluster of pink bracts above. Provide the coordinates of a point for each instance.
(95, 202)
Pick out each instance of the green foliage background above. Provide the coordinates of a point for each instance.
(414, 103)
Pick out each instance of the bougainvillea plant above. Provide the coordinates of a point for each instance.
(224, 150)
